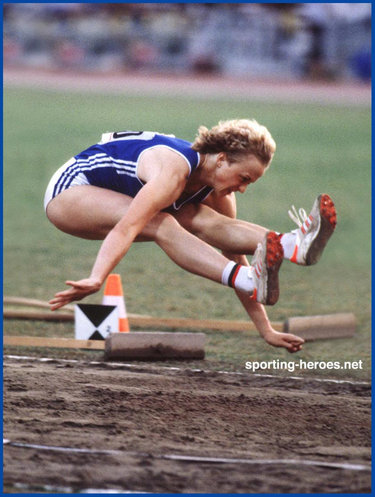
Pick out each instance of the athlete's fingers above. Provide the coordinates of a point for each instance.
(293, 339)
(56, 303)
(64, 298)
(292, 343)
(293, 348)
(54, 307)
(61, 297)
(79, 290)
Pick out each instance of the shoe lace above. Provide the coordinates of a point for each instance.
(299, 217)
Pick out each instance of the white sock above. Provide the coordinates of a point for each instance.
(288, 241)
(238, 277)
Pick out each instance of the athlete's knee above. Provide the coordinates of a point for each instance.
(54, 213)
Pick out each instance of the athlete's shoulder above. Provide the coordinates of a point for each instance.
(182, 147)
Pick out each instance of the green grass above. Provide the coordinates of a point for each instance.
(319, 149)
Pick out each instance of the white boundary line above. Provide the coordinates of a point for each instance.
(51, 489)
(170, 368)
(193, 459)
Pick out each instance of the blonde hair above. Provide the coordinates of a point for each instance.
(236, 137)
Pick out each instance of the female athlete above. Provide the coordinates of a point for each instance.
(147, 186)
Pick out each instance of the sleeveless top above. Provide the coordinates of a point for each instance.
(113, 162)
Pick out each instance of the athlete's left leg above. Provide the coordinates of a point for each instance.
(303, 246)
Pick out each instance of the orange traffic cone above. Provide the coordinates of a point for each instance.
(113, 295)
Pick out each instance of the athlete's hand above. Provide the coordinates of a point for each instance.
(290, 342)
(79, 290)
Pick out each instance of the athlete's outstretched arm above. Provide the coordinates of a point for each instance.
(258, 315)
(163, 188)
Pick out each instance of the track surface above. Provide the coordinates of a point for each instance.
(138, 84)
(143, 412)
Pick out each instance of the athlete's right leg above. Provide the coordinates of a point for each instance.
(90, 212)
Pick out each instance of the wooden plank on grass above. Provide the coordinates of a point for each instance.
(197, 324)
(68, 343)
(326, 326)
(149, 321)
(37, 315)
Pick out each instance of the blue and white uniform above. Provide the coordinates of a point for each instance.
(113, 164)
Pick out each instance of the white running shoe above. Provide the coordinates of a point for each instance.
(314, 230)
(264, 269)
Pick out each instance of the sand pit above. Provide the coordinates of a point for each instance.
(81, 425)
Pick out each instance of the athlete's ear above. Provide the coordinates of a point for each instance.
(221, 157)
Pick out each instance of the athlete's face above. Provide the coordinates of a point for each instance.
(236, 176)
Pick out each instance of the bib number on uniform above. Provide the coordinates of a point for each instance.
(126, 135)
